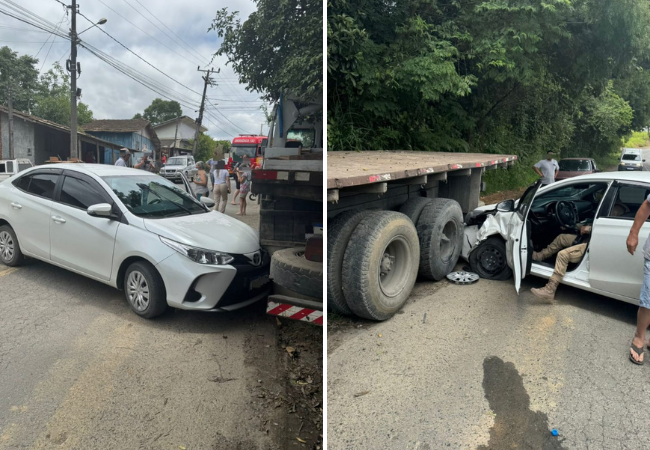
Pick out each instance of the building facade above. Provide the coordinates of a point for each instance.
(175, 135)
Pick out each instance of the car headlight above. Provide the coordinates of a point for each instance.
(199, 255)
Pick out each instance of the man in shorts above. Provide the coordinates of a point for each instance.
(643, 314)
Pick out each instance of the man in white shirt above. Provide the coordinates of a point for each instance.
(547, 169)
(125, 155)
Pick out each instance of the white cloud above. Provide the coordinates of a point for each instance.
(111, 94)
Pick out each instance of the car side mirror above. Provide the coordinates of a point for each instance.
(207, 201)
(100, 210)
(506, 206)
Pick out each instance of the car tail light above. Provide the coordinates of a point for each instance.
(314, 249)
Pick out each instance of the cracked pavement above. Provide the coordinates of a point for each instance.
(411, 383)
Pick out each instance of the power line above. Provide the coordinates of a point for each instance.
(53, 39)
(188, 49)
(224, 116)
(100, 1)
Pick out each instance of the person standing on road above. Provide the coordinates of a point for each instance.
(643, 314)
(547, 169)
(201, 181)
(237, 184)
(244, 186)
(221, 187)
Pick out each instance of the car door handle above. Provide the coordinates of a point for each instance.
(58, 219)
(15, 205)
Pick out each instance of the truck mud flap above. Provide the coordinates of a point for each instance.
(295, 308)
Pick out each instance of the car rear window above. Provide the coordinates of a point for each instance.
(575, 165)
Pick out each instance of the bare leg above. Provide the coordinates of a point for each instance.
(244, 206)
(234, 199)
(642, 324)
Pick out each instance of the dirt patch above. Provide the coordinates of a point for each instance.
(503, 195)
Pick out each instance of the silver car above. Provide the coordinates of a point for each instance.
(177, 165)
(135, 231)
(500, 239)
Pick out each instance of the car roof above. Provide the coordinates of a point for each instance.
(631, 150)
(608, 176)
(101, 170)
(576, 159)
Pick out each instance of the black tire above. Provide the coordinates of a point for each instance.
(489, 261)
(292, 271)
(440, 230)
(144, 272)
(379, 237)
(10, 254)
(414, 206)
(339, 231)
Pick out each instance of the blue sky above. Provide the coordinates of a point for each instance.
(112, 95)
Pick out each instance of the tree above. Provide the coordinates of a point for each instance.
(206, 146)
(278, 48)
(21, 75)
(52, 99)
(161, 111)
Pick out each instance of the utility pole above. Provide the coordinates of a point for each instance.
(209, 81)
(72, 68)
(11, 125)
(262, 130)
(178, 119)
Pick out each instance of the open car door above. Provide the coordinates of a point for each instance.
(518, 252)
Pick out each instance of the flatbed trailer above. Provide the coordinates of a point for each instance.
(394, 216)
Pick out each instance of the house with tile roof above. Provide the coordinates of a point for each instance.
(135, 134)
(175, 135)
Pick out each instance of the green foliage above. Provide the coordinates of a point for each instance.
(278, 48)
(52, 99)
(517, 77)
(636, 140)
(206, 146)
(19, 74)
(161, 111)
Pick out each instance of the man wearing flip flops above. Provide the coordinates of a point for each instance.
(643, 315)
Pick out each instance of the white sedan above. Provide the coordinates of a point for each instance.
(134, 231)
(500, 239)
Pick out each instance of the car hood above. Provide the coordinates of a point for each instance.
(211, 231)
(168, 166)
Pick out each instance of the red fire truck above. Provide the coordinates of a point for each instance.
(247, 149)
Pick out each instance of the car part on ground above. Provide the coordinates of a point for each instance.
(489, 260)
(380, 265)
(440, 231)
(291, 270)
(414, 206)
(463, 277)
(339, 231)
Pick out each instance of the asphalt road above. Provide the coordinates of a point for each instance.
(478, 366)
(79, 370)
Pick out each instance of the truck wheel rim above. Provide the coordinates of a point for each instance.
(448, 241)
(394, 266)
(492, 260)
(6, 246)
(138, 290)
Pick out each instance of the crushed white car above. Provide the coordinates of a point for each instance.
(499, 239)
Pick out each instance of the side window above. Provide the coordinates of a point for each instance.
(79, 194)
(10, 167)
(22, 183)
(3, 168)
(43, 184)
(628, 200)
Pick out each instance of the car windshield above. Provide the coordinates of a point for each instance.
(631, 157)
(177, 161)
(244, 151)
(151, 196)
(575, 165)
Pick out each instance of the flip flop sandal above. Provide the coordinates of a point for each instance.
(639, 352)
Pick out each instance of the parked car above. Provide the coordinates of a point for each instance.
(573, 167)
(631, 159)
(500, 239)
(176, 165)
(135, 231)
(10, 167)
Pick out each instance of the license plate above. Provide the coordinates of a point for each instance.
(259, 282)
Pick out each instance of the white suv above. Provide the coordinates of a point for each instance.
(179, 164)
(10, 167)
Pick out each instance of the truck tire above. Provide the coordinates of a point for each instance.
(488, 260)
(440, 230)
(339, 230)
(292, 271)
(414, 206)
(380, 265)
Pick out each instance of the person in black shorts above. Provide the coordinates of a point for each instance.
(237, 185)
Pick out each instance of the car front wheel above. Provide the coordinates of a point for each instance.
(489, 260)
(144, 290)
